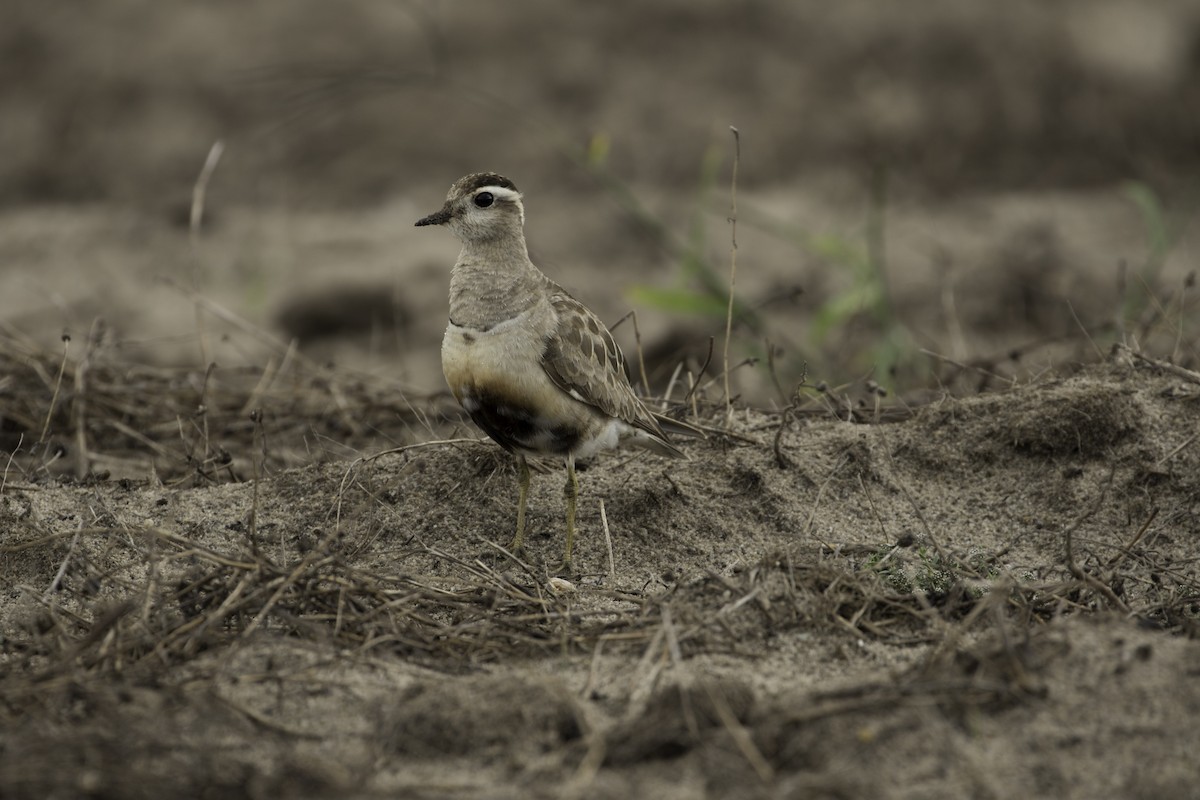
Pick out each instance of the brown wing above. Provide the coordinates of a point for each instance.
(583, 360)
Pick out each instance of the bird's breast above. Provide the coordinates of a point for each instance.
(498, 378)
(506, 356)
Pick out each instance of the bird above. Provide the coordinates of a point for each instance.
(532, 366)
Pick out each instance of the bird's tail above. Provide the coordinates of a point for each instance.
(678, 427)
(660, 444)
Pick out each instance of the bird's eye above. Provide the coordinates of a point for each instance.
(484, 199)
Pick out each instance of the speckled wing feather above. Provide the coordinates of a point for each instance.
(583, 360)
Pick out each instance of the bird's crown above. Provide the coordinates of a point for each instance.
(472, 183)
(480, 206)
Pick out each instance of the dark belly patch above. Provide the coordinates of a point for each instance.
(518, 427)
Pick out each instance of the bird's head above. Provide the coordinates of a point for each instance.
(480, 207)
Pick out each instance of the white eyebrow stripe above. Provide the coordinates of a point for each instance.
(501, 192)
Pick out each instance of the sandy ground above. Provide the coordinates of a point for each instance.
(996, 597)
(945, 544)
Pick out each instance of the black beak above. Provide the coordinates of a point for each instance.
(436, 218)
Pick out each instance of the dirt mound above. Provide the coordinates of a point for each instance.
(930, 607)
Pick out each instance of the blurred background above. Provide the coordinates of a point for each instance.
(928, 193)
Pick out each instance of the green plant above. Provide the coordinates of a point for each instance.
(1160, 238)
(866, 296)
(925, 571)
(1164, 228)
(701, 289)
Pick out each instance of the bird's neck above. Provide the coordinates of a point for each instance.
(491, 283)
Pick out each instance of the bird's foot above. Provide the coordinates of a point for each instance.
(565, 570)
(516, 550)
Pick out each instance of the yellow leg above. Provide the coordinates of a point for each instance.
(571, 493)
(518, 543)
